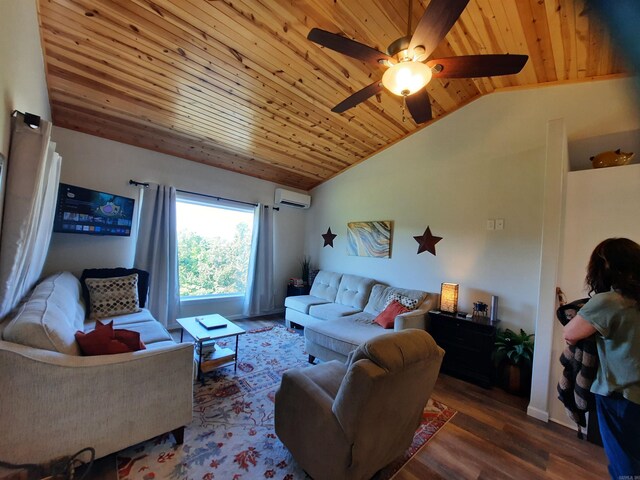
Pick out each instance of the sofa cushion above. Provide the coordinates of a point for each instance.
(49, 316)
(325, 285)
(354, 291)
(123, 321)
(110, 297)
(331, 311)
(345, 334)
(380, 294)
(150, 332)
(301, 303)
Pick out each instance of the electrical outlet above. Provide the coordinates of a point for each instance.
(491, 224)
(499, 223)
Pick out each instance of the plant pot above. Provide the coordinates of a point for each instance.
(515, 379)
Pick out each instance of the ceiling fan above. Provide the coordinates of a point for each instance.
(407, 75)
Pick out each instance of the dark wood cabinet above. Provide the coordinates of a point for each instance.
(468, 343)
(292, 290)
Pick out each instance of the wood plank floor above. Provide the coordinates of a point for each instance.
(490, 438)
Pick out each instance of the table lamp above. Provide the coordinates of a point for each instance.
(449, 297)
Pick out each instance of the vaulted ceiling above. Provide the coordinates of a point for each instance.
(236, 84)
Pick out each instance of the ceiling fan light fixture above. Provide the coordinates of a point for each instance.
(406, 78)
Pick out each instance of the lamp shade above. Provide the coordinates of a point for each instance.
(449, 297)
(406, 78)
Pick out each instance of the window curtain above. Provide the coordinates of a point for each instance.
(33, 172)
(157, 252)
(259, 298)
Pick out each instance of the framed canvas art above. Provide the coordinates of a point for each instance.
(369, 239)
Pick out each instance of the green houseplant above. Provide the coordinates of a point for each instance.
(306, 268)
(513, 355)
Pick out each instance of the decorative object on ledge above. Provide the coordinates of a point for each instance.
(449, 297)
(328, 238)
(611, 159)
(427, 242)
(369, 239)
(480, 309)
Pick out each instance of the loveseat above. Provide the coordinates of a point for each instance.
(56, 402)
(339, 313)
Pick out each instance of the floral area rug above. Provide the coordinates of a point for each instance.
(232, 434)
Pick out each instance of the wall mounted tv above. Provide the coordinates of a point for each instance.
(81, 210)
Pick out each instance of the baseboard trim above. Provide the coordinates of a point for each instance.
(571, 425)
(538, 414)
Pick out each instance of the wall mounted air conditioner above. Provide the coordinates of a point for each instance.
(288, 198)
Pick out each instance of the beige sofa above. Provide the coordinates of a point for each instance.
(56, 402)
(339, 312)
(345, 421)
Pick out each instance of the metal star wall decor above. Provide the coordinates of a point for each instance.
(427, 242)
(328, 238)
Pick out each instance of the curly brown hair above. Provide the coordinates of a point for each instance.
(615, 263)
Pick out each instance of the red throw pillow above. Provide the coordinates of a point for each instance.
(388, 316)
(130, 338)
(104, 340)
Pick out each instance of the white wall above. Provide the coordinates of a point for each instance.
(105, 165)
(22, 78)
(600, 204)
(485, 161)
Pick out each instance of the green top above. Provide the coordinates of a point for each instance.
(617, 319)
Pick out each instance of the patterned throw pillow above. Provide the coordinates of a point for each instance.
(110, 297)
(410, 303)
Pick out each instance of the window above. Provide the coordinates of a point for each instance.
(214, 245)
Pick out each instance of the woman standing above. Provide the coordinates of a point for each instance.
(613, 314)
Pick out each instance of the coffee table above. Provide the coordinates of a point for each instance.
(218, 357)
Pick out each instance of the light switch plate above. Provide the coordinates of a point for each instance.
(499, 223)
(491, 224)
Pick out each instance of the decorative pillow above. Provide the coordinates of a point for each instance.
(110, 297)
(387, 317)
(410, 303)
(143, 281)
(104, 340)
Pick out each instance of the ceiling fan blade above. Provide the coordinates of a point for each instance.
(469, 66)
(346, 46)
(358, 97)
(436, 22)
(420, 106)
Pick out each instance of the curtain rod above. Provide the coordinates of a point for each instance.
(215, 197)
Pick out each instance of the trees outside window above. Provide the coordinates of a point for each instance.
(214, 246)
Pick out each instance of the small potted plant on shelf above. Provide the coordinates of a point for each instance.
(513, 356)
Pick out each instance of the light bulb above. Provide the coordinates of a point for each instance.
(406, 78)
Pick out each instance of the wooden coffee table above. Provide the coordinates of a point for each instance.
(210, 356)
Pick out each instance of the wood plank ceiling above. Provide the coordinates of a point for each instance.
(236, 84)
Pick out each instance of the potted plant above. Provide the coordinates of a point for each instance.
(306, 267)
(513, 355)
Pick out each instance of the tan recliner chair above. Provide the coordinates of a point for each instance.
(348, 420)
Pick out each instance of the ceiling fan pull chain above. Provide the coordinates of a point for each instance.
(404, 106)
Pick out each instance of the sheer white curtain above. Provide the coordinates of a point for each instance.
(259, 298)
(157, 252)
(33, 172)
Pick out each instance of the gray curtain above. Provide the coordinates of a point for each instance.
(259, 298)
(33, 172)
(157, 252)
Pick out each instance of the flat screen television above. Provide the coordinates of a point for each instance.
(81, 210)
